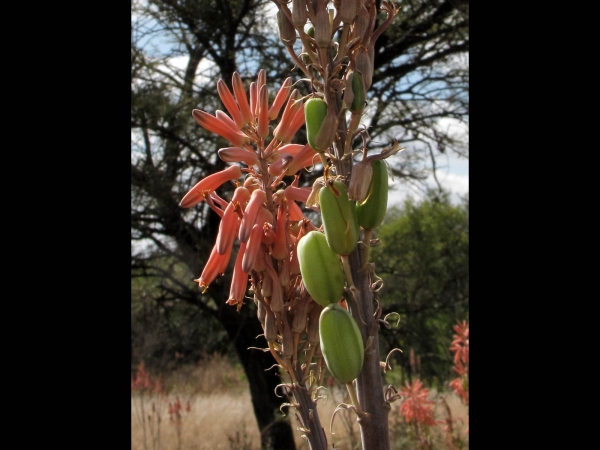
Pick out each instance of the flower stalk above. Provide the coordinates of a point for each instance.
(264, 219)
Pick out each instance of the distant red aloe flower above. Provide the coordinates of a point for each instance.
(142, 379)
(158, 387)
(416, 407)
(460, 347)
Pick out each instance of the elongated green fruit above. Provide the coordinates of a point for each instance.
(341, 343)
(339, 216)
(320, 268)
(358, 88)
(315, 110)
(372, 210)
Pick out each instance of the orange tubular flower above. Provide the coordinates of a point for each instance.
(263, 112)
(223, 117)
(280, 248)
(253, 98)
(264, 219)
(208, 184)
(211, 123)
(239, 280)
(304, 158)
(284, 91)
(298, 194)
(295, 212)
(252, 248)
(230, 104)
(257, 198)
(214, 267)
(297, 121)
(292, 149)
(276, 303)
(230, 222)
(293, 105)
(240, 96)
(238, 154)
(277, 167)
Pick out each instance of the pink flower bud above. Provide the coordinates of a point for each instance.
(295, 212)
(223, 117)
(230, 222)
(253, 99)
(214, 125)
(257, 198)
(282, 94)
(295, 124)
(230, 103)
(214, 267)
(238, 154)
(281, 164)
(292, 149)
(263, 112)
(280, 248)
(291, 108)
(239, 280)
(298, 194)
(304, 158)
(242, 99)
(252, 248)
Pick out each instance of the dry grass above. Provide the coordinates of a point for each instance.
(220, 415)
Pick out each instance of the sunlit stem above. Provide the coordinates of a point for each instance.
(354, 398)
(308, 360)
(352, 127)
(320, 371)
(298, 61)
(323, 159)
(348, 271)
(286, 366)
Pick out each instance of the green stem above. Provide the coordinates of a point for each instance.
(347, 271)
(354, 398)
(367, 242)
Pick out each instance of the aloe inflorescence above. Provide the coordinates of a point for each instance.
(296, 273)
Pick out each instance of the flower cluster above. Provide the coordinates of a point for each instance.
(264, 215)
(143, 382)
(460, 347)
(416, 407)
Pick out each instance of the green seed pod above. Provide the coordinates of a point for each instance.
(372, 210)
(315, 110)
(340, 221)
(321, 269)
(341, 343)
(358, 88)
